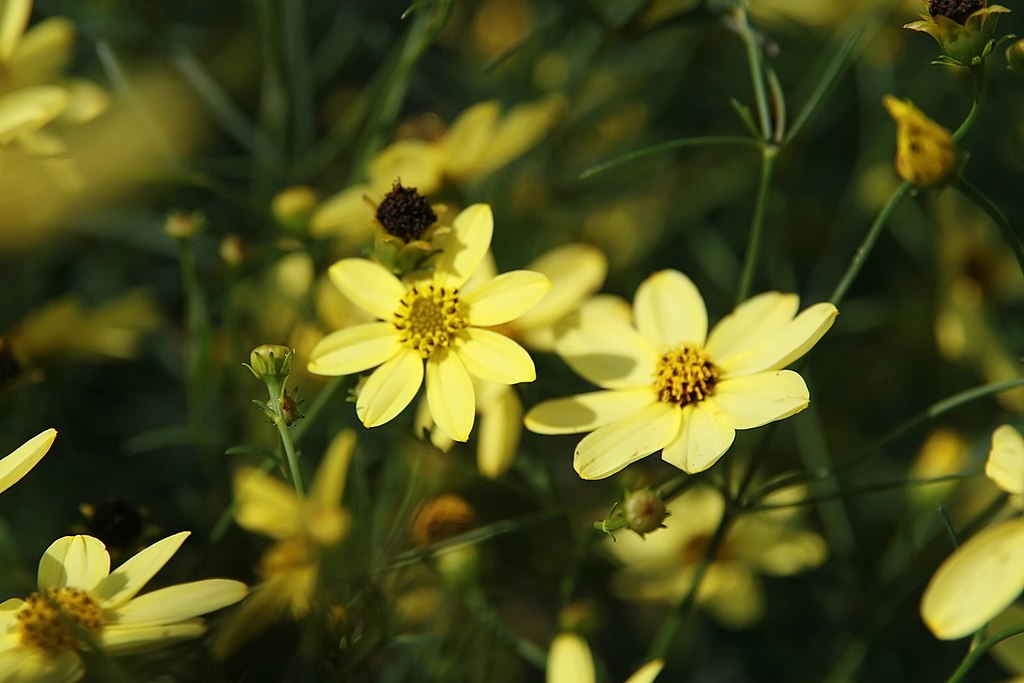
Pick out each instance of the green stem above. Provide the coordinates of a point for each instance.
(997, 216)
(979, 650)
(276, 401)
(662, 147)
(197, 352)
(869, 488)
(980, 88)
(868, 244)
(756, 68)
(317, 406)
(768, 153)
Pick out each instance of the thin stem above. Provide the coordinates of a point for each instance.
(869, 488)
(662, 147)
(980, 88)
(317, 406)
(979, 650)
(277, 408)
(491, 619)
(997, 216)
(768, 154)
(756, 69)
(868, 244)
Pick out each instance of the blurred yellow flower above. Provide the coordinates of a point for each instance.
(964, 29)
(570, 661)
(432, 327)
(925, 152)
(18, 463)
(78, 595)
(1005, 462)
(671, 386)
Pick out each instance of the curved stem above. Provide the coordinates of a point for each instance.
(980, 88)
(756, 68)
(768, 154)
(979, 650)
(997, 216)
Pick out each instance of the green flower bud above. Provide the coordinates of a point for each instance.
(644, 511)
(1015, 56)
(271, 363)
(182, 225)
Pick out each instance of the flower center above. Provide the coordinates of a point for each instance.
(957, 10)
(428, 317)
(685, 375)
(52, 620)
(405, 213)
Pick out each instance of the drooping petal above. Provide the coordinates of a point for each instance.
(977, 582)
(586, 412)
(701, 440)
(390, 389)
(607, 352)
(16, 465)
(123, 640)
(180, 602)
(576, 271)
(783, 347)
(505, 297)
(345, 213)
(569, 660)
(264, 504)
(368, 285)
(755, 400)
(750, 323)
(329, 483)
(354, 349)
(127, 580)
(73, 561)
(450, 394)
(1005, 463)
(669, 310)
(609, 449)
(500, 429)
(464, 246)
(493, 357)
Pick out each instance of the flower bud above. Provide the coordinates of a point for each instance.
(293, 206)
(271, 363)
(925, 152)
(1015, 56)
(182, 225)
(644, 511)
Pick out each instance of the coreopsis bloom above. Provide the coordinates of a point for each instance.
(42, 635)
(985, 575)
(432, 328)
(668, 385)
(570, 661)
(660, 567)
(925, 152)
(17, 464)
(964, 29)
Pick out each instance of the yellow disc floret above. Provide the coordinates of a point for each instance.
(685, 375)
(428, 317)
(53, 620)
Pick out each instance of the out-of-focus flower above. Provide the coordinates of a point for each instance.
(1015, 56)
(964, 29)
(925, 152)
(293, 206)
(302, 529)
(78, 595)
(661, 566)
(1005, 462)
(570, 661)
(18, 463)
(944, 452)
(671, 386)
(432, 327)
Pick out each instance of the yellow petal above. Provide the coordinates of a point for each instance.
(586, 412)
(14, 16)
(702, 439)
(345, 213)
(180, 602)
(390, 389)
(124, 640)
(464, 247)
(647, 673)
(755, 400)
(417, 164)
(500, 428)
(519, 130)
(127, 580)
(88, 101)
(609, 449)
(1005, 463)
(329, 483)
(43, 53)
(368, 285)
(669, 310)
(607, 352)
(753, 321)
(569, 660)
(450, 394)
(784, 346)
(469, 139)
(30, 666)
(29, 109)
(576, 271)
(505, 297)
(493, 357)
(976, 582)
(16, 465)
(75, 561)
(264, 504)
(354, 349)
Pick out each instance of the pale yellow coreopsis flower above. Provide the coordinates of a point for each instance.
(570, 661)
(669, 385)
(41, 636)
(16, 465)
(432, 328)
(925, 151)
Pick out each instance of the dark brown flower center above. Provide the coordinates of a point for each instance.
(957, 10)
(405, 213)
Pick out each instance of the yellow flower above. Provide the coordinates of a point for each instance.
(925, 151)
(1005, 463)
(432, 323)
(964, 29)
(80, 602)
(16, 465)
(671, 386)
(570, 661)
(661, 566)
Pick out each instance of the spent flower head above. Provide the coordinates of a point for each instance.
(925, 151)
(964, 29)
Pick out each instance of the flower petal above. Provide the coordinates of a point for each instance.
(14, 16)
(329, 483)
(24, 458)
(180, 602)
(1005, 463)
(500, 429)
(648, 672)
(125, 640)
(264, 504)
(464, 246)
(702, 439)
(977, 582)
(418, 164)
(31, 666)
(669, 310)
(586, 412)
(354, 349)
(127, 580)
(755, 400)
(505, 297)
(468, 138)
(783, 347)
(390, 389)
(368, 285)
(607, 352)
(450, 394)
(493, 357)
(608, 449)
(576, 271)
(751, 322)
(73, 561)
(570, 661)
(27, 109)
(344, 213)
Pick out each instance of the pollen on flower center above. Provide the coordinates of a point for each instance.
(957, 10)
(428, 317)
(685, 375)
(405, 213)
(52, 620)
